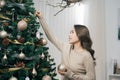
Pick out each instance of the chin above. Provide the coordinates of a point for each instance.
(70, 42)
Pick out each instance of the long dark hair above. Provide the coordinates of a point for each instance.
(84, 37)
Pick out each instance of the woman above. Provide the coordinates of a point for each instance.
(78, 57)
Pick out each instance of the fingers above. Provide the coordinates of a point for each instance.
(39, 14)
(61, 72)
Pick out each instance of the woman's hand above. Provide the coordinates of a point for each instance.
(38, 14)
(61, 72)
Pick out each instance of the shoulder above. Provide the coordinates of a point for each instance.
(87, 55)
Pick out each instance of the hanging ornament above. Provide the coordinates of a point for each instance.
(27, 78)
(5, 23)
(20, 64)
(42, 42)
(2, 3)
(18, 36)
(4, 60)
(22, 25)
(46, 77)
(38, 34)
(3, 34)
(5, 41)
(13, 78)
(48, 57)
(34, 72)
(21, 40)
(42, 56)
(62, 68)
(21, 55)
(5, 57)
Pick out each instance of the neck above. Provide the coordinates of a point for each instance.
(78, 47)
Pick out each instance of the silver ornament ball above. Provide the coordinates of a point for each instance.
(62, 68)
(3, 34)
(21, 55)
(13, 78)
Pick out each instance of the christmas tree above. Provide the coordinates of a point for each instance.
(23, 51)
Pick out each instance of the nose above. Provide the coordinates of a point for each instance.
(69, 35)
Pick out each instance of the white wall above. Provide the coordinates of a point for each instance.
(112, 42)
(94, 18)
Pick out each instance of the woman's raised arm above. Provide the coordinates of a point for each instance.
(48, 32)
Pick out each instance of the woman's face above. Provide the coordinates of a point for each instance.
(73, 38)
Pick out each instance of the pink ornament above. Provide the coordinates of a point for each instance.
(46, 77)
(2, 3)
(22, 25)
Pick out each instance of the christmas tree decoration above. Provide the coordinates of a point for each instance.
(5, 42)
(13, 78)
(3, 34)
(21, 55)
(38, 35)
(43, 41)
(22, 25)
(46, 77)
(42, 56)
(27, 78)
(62, 68)
(15, 42)
(5, 23)
(20, 64)
(5, 57)
(34, 72)
(28, 57)
(65, 4)
(4, 17)
(2, 3)
(21, 40)
(48, 58)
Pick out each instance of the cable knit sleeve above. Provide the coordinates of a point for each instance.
(50, 35)
(90, 71)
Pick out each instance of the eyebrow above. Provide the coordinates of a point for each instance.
(72, 31)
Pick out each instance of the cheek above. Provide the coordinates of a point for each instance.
(76, 38)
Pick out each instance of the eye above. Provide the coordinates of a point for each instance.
(72, 31)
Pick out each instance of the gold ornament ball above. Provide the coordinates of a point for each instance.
(46, 77)
(21, 55)
(44, 41)
(22, 25)
(3, 34)
(2, 3)
(13, 78)
(62, 68)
